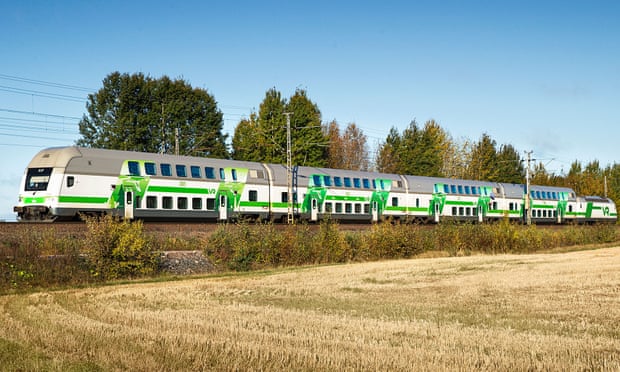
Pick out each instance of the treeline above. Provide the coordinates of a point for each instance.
(137, 112)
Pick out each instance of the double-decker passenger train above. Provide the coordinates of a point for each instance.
(62, 183)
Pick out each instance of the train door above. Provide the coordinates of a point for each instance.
(223, 208)
(436, 212)
(480, 214)
(314, 210)
(375, 212)
(129, 204)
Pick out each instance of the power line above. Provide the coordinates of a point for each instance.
(45, 83)
(39, 114)
(38, 93)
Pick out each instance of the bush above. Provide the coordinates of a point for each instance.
(118, 249)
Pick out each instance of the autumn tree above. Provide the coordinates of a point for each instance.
(137, 112)
(347, 150)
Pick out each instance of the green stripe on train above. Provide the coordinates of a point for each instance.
(181, 190)
(82, 199)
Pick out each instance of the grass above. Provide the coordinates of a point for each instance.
(502, 312)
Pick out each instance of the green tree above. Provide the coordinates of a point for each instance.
(263, 137)
(509, 165)
(137, 112)
(388, 156)
(483, 164)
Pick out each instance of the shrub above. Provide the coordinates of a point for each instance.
(118, 249)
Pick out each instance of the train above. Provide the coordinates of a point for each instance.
(64, 183)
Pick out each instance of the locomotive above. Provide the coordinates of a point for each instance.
(62, 183)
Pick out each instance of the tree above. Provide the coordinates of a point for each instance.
(483, 163)
(509, 165)
(388, 156)
(418, 151)
(347, 150)
(263, 137)
(137, 112)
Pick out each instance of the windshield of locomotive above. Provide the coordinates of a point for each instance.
(37, 179)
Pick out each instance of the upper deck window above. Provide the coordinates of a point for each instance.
(166, 170)
(37, 179)
(338, 181)
(134, 168)
(210, 173)
(366, 183)
(347, 182)
(357, 183)
(195, 170)
(317, 180)
(181, 170)
(150, 169)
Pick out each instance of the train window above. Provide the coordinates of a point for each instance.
(138, 201)
(150, 169)
(284, 197)
(510, 206)
(338, 181)
(347, 182)
(182, 203)
(234, 174)
(554, 195)
(166, 202)
(328, 207)
(468, 211)
(461, 211)
(374, 184)
(210, 173)
(494, 206)
(446, 189)
(453, 189)
(348, 208)
(151, 202)
(166, 169)
(181, 170)
(454, 211)
(210, 204)
(70, 181)
(358, 208)
(317, 180)
(395, 202)
(460, 189)
(253, 195)
(356, 183)
(399, 184)
(417, 202)
(474, 190)
(196, 203)
(134, 168)
(338, 207)
(545, 213)
(366, 208)
(475, 211)
(366, 183)
(327, 180)
(195, 171)
(222, 174)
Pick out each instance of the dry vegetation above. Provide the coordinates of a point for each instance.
(523, 312)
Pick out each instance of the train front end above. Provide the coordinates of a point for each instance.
(40, 186)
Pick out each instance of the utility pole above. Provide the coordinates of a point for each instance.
(528, 201)
(176, 141)
(289, 170)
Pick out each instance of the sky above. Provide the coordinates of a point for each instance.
(542, 76)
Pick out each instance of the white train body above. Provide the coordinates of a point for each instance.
(62, 183)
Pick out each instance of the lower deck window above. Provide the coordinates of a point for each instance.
(210, 204)
(151, 202)
(196, 203)
(328, 207)
(358, 208)
(166, 202)
(182, 203)
(348, 208)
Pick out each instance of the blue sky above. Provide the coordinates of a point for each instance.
(540, 75)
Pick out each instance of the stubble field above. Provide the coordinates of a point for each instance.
(513, 312)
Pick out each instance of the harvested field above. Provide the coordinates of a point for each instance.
(507, 312)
